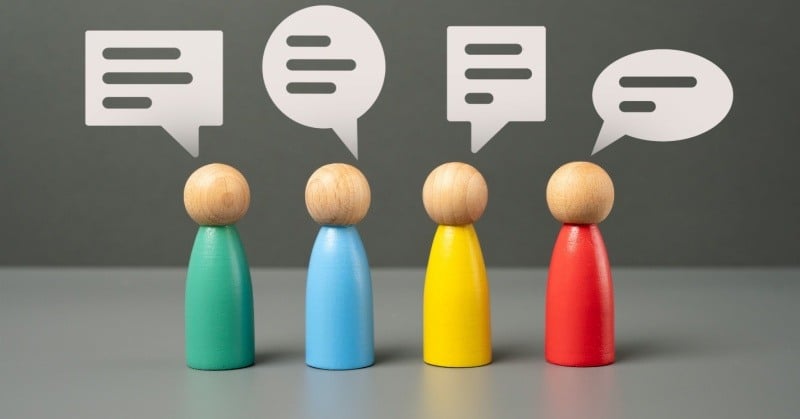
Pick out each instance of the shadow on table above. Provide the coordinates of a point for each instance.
(388, 355)
(501, 352)
(664, 348)
(279, 355)
(517, 351)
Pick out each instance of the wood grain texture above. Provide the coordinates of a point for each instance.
(216, 194)
(337, 194)
(580, 193)
(455, 194)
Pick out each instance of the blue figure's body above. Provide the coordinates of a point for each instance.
(339, 325)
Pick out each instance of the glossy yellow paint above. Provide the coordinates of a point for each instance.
(456, 312)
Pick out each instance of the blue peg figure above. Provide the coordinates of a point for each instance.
(219, 293)
(339, 322)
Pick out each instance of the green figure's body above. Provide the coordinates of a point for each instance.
(219, 293)
(219, 302)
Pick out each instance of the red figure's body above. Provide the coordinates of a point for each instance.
(579, 318)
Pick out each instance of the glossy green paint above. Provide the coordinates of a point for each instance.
(219, 302)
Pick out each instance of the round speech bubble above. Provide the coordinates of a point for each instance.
(324, 67)
(660, 95)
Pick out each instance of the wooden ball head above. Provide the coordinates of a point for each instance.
(580, 193)
(337, 194)
(216, 195)
(455, 194)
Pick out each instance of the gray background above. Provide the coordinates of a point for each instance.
(77, 195)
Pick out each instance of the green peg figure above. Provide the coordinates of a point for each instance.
(219, 293)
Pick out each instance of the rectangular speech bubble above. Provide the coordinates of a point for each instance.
(171, 79)
(495, 75)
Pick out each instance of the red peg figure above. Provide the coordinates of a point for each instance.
(579, 317)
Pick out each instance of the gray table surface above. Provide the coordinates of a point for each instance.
(691, 343)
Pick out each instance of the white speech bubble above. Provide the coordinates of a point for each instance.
(495, 75)
(171, 79)
(660, 95)
(324, 67)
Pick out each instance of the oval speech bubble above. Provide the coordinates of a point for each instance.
(324, 67)
(660, 95)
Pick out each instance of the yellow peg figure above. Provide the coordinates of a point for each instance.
(456, 319)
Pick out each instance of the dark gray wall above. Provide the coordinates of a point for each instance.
(77, 195)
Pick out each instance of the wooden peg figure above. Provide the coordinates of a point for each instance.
(579, 314)
(456, 312)
(219, 294)
(339, 321)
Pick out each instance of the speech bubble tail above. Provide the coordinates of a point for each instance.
(348, 133)
(608, 135)
(187, 136)
(598, 147)
(482, 133)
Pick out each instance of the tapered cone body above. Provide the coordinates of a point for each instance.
(456, 311)
(219, 302)
(339, 320)
(579, 318)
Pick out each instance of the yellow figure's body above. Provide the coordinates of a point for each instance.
(456, 311)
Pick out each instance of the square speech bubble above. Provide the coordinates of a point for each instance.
(171, 79)
(495, 75)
